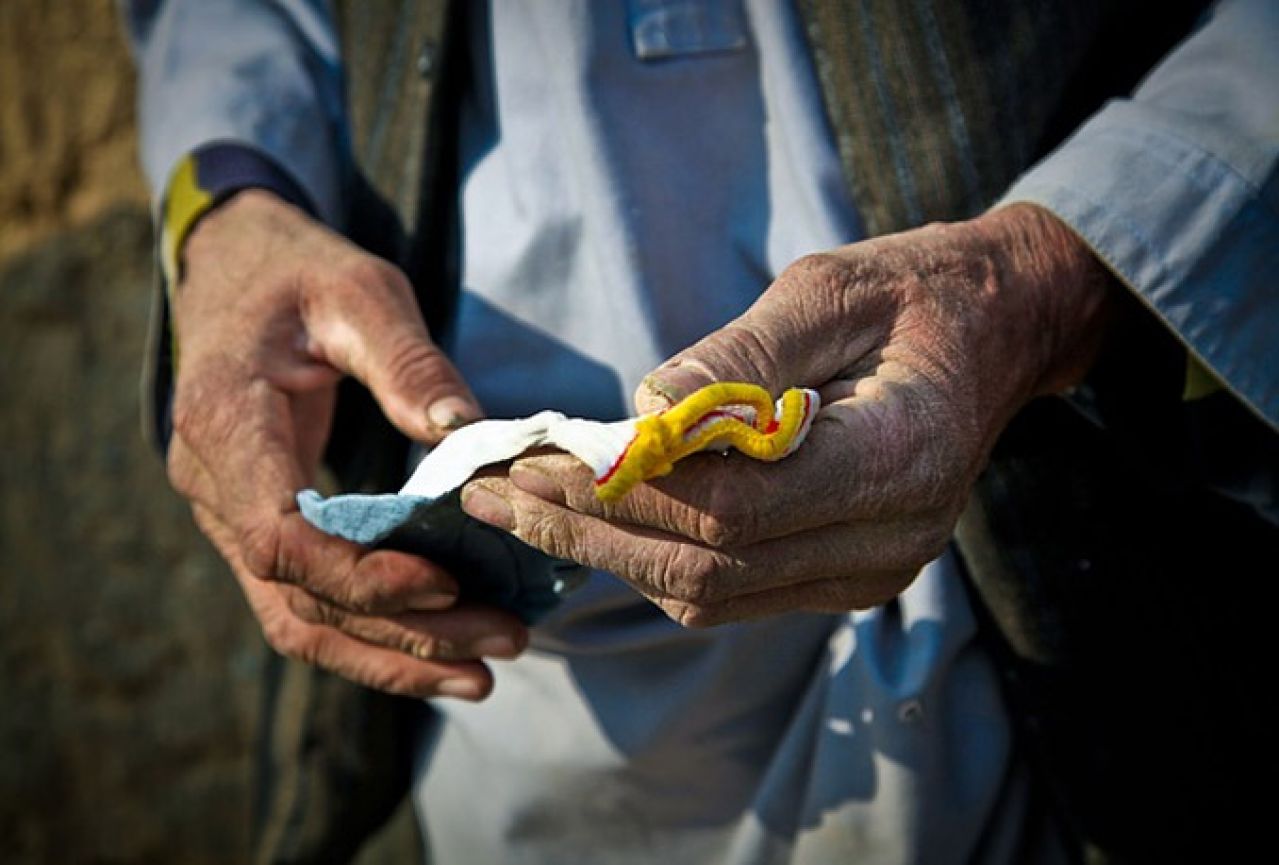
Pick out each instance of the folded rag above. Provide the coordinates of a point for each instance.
(426, 518)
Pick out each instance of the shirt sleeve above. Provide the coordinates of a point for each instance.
(1177, 189)
(261, 77)
(232, 94)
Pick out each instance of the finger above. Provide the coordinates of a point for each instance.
(368, 324)
(374, 666)
(461, 633)
(358, 579)
(829, 595)
(674, 568)
(865, 458)
(815, 301)
(290, 550)
(249, 438)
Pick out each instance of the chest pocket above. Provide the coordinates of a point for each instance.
(662, 29)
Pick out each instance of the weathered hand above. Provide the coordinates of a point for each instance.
(923, 345)
(272, 310)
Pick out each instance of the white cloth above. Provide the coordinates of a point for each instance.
(464, 452)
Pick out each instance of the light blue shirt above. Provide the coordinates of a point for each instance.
(1177, 190)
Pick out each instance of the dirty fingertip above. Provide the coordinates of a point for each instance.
(667, 385)
(451, 413)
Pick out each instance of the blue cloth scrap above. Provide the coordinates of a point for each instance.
(490, 565)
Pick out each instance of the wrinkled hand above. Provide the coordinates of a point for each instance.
(923, 345)
(273, 309)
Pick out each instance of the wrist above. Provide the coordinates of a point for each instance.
(1057, 293)
(250, 212)
(206, 179)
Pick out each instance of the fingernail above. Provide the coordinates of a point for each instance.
(668, 385)
(487, 506)
(431, 599)
(466, 689)
(437, 649)
(452, 412)
(535, 481)
(654, 394)
(496, 647)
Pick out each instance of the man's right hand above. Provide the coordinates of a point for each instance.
(272, 310)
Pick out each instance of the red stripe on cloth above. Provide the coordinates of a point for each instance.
(617, 463)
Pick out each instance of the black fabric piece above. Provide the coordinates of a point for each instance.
(1129, 40)
(1120, 597)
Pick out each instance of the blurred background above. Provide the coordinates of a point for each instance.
(129, 664)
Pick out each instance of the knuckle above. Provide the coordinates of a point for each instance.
(189, 409)
(698, 617)
(552, 535)
(726, 521)
(695, 576)
(311, 610)
(373, 597)
(717, 532)
(930, 543)
(819, 269)
(694, 617)
(374, 587)
(691, 616)
(260, 547)
(411, 358)
(282, 636)
(754, 354)
(363, 273)
(194, 416)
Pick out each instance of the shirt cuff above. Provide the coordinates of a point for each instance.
(1195, 240)
(204, 178)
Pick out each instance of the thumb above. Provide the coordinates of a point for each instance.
(741, 351)
(372, 329)
(808, 328)
(763, 347)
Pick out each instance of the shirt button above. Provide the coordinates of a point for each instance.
(910, 711)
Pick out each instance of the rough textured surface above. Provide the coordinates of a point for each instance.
(128, 665)
(128, 660)
(66, 118)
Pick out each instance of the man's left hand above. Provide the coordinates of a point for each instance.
(923, 345)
